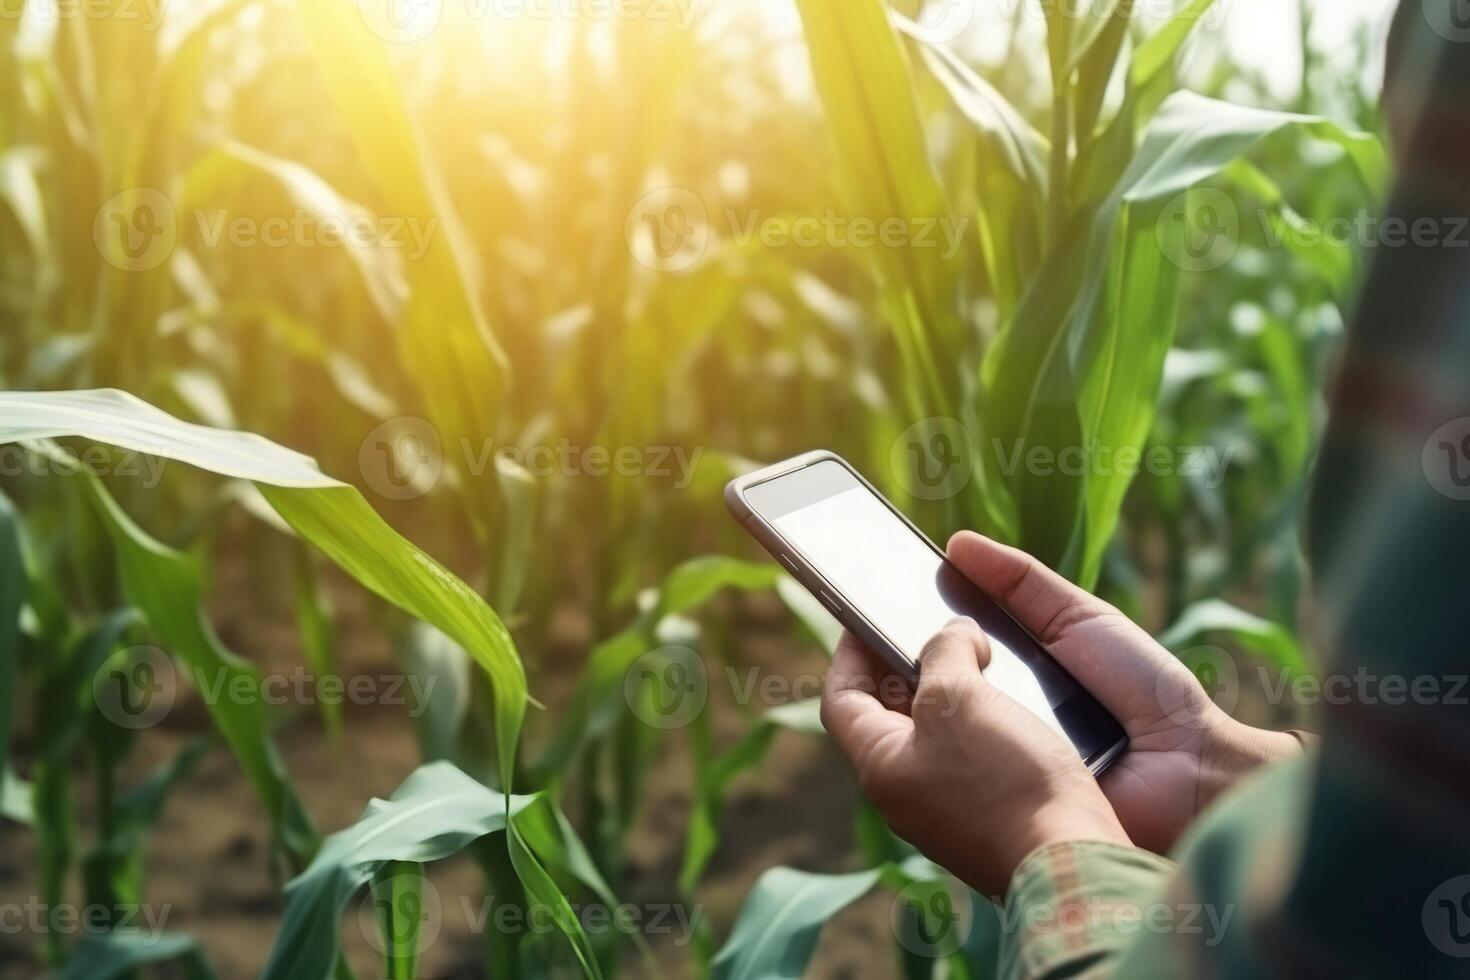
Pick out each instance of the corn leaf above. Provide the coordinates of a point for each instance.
(1081, 364)
(714, 776)
(444, 339)
(436, 813)
(13, 581)
(598, 700)
(397, 895)
(1214, 616)
(867, 89)
(332, 516)
(110, 955)
(1010, 170)
(781, 920)
(167, 587)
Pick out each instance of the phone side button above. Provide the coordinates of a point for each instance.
(832, 603)
(791, 564)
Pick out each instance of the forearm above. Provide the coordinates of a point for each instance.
(1073, 909)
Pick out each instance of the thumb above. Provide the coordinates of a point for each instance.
(950, 666)
(1034, 595)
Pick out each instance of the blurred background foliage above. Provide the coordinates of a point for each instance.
(536, 153)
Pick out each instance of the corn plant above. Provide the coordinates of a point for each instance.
(1064, 318)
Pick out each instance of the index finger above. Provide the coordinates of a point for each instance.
(851, 707)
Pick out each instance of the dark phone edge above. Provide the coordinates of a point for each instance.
(814, 582)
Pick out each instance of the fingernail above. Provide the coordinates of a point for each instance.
(962, 621)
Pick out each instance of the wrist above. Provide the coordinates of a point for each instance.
(1070, 820)
(1234, 750)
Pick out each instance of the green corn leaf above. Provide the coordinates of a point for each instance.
(1095, 69)
(434, 658)
(598, 700)
(110, 955)
(781, 920)
(13, 582)
(867, 89)
(436, 813)
(1097, 18)
(444, 339)
(1081, 364)
(714, 778)
(715, 774)
(397, 896)
(380, 269)
(167, 587)
(1213, 616)
(541, 890)
(17, 798)
(316, 627)
(1010, 170)
(332, 516)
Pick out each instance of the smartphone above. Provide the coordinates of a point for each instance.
(893, 589)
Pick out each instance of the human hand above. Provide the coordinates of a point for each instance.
(1183, 751)
(960, 770)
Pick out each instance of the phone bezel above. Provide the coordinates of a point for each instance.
(811, 579)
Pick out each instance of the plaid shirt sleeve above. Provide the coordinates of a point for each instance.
(1073, 908)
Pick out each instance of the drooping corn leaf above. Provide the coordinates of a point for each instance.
(781, 920)
(380, 269)
(1215, 616)
(110, 955)
(168, 588)
(1103, 157)
(331, 516)
(436, 813)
